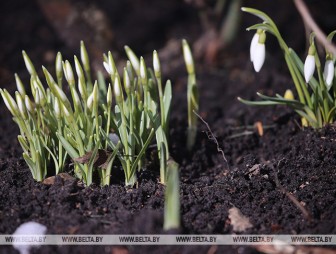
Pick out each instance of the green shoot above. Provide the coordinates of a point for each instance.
(192, 95)
(172, 198)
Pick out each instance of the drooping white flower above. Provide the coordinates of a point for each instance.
(309, 65)
(259, 56)
(258, 50)
(329, 71)
(254, 42)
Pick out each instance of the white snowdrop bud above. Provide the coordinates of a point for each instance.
(134, 59)
(69, 75)
(58, 65)
(81, 88)
(156, 64)
(188, 57)
(61, 94)
(76, 98)
(254, 42)
(107, 68)
(79, 69)
(19, 85)
(84, 57)
(143, 71)
(109, 96)
(21, 105)
(29, 104)
(89, 103)
(127, 81)
(37, 97)
(309, 65)
(116, 89)
(258, 52)
(329, 71)
(28, 228)
(29, 65)
(10, 102)
(57, 109)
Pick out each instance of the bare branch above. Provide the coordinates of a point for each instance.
(309, 22)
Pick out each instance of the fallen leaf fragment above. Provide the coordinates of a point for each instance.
(51, 180)
(239, 222)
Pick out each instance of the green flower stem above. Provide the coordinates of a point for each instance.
(295, 80)
(192, 106)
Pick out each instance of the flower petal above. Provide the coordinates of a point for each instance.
(254, 42)
(328, 73)
(309, 67)
(259, 53)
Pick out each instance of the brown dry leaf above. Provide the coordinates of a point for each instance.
(51, 180)
(100, 161)
(239, 222)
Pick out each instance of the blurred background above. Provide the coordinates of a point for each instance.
(214, 28)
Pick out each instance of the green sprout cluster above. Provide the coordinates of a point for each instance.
(88, 126)
(316, 103)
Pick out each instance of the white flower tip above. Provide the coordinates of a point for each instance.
(107, 68)
(133, 58)
(143, 71)
(116, 87)
(156, 62)
(309, 67)
(69, 73)
(109, 95)
(188, 57)
(329, 72)
(258, 59)
(127, 81)
(90, 101)
(253, 45)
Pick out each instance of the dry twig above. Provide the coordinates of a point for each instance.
(212, 137)
(309, 22)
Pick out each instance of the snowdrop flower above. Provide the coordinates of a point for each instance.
(89, 102)
(328, 73)
(258, 50)
(188, 58)
(309, 65)
(254, 42)
(107, 68)
(28, 228)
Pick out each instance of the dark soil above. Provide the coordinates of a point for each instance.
(259, 171)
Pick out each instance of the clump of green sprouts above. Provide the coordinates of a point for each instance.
(93, 123)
